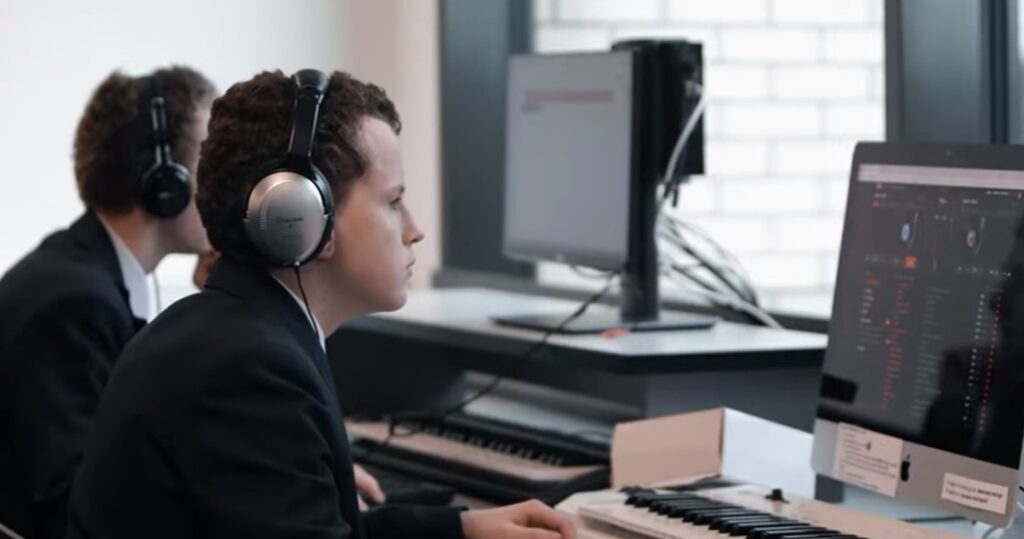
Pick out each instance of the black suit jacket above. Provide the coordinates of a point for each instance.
(221, 421)
(64, 320)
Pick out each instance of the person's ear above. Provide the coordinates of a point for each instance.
(329, 247)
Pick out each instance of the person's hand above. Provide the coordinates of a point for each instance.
(527, 520)
(367, 486)
(203, 265)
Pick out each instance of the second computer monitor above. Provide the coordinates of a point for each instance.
(569, 158)
(922, 394)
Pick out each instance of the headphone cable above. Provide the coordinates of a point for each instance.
(305, 301)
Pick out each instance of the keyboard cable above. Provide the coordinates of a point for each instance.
(395, 420)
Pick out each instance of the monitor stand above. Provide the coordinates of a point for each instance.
(604, 320)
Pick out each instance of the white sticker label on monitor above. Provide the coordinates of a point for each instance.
(868, 459)
(973, 493)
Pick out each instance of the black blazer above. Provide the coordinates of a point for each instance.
(221, 420)
(64, 320)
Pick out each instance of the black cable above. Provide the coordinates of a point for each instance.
(717, 272)
(729, 262)
(312, 320)
(700, 281)
(536, 347)
(736, 304)
(395, 420)
(741, 289)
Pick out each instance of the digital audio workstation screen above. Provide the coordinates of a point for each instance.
(923, 343)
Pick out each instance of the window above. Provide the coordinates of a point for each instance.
(792, 85)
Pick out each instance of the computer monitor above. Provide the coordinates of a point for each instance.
(922, 395)
(579, 185)
(569, 158)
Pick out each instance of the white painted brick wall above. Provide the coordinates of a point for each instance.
(836, 12)
(769, 120)
(725, 158)
(700, 197)
(792, 85)
(762, 196)
(718, 11)
(822, 82)
(854, 46)
(836, 190)
(739, 234)
(609, 10)
(807, 234)
(863, 121)
(737, 81)
(745, 44)
(813, 157)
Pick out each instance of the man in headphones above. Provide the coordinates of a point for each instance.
(222, 420)
(69, 307)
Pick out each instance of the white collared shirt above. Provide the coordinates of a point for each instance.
(309, 315)
(135, 281)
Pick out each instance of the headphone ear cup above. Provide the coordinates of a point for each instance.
(286, 219)
(166, 190)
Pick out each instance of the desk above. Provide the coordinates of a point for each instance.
(441, 333)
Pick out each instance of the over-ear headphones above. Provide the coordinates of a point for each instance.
(164, 189)
(289, 212)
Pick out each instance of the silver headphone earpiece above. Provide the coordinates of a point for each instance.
(289, 212)
(285, 218)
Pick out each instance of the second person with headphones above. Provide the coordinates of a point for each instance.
(70, 306)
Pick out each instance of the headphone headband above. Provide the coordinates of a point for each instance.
(289, 212)
(164, 188)
(161, 137)
(310, 88)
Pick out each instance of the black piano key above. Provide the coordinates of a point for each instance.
(675, 511)
(674, 499)
(718, 520)
(644, 499)
(726, 525)
(748, 530)
(775, 533)
(706, 517)
(678, 510)
(801, 530)
(712, 509)
(826, 534)
(743, 530)
(688, 513)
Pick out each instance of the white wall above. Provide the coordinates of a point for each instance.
(54, 53)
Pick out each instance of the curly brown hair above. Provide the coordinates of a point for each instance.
(249, 127)
(114, 141)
